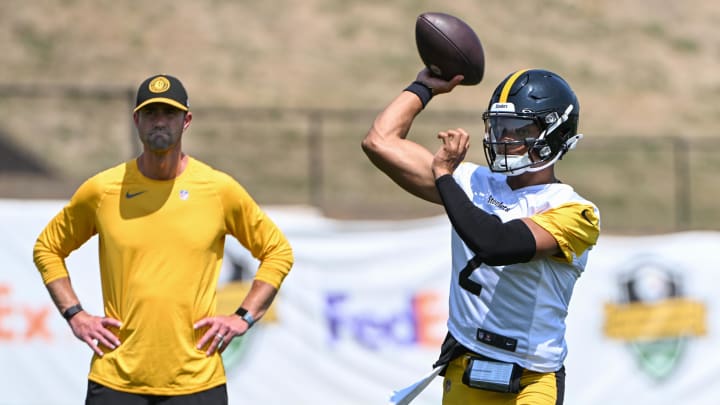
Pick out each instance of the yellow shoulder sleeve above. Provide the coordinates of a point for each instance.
(67, 231)
(575, 227)
(254, 229)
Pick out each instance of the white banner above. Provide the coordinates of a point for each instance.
(362, 314)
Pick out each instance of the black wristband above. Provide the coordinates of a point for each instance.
(421, 90)
(72, 311)
(245, 315)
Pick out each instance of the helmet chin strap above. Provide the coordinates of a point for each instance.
(513, 165)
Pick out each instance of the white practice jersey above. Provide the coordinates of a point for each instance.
(519, 315)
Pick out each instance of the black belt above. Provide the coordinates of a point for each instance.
(452, 349)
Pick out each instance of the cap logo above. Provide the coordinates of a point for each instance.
(159, 84)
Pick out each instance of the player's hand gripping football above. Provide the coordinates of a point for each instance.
(437, 84)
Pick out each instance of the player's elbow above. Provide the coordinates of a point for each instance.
(378, 155)
(379, 149)
(370, 144)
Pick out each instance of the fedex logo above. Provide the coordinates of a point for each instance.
(23, 322)
(419, 319)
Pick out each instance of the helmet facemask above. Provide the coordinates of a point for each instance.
(517, 143)
(508, 141)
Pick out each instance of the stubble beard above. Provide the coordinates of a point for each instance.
(159, 141)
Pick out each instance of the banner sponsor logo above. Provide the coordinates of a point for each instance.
(415, 320)
(653, 316)
(23, 322)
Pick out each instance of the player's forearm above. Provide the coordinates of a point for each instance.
(494, 242)
(406, 162)
(394, 121)
(259, 298)
(62, 293)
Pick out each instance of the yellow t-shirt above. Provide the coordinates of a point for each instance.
(161, 246)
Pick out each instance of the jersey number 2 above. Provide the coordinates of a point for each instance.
(471, 286)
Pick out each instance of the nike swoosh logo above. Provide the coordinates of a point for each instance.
(132, 195)
(586, 215)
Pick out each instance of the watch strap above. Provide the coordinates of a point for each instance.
(72, 311)
(245, 315)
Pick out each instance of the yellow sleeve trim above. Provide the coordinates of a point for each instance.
(575, 227)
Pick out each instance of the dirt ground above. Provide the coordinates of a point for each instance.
(645, 67)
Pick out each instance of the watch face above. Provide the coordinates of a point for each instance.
(245, 315)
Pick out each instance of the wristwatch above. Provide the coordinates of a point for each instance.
(72, 311)
(245, 315)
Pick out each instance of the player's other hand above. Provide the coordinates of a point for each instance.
(96, 331)
(455, 144)
(438, 85)
(220, 331)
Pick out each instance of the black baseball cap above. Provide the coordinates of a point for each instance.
(162, 89)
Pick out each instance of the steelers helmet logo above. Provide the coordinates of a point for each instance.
(159, 84)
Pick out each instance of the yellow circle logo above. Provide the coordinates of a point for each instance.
(159, 85)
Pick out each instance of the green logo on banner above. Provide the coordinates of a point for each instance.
(233, 354)
(653, 316)
(658, 358)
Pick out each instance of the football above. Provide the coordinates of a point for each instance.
(448, 46)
